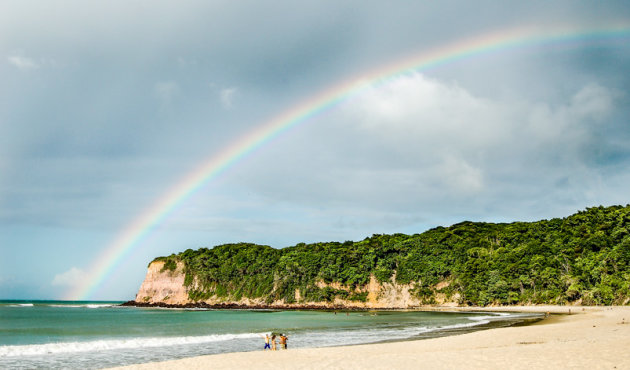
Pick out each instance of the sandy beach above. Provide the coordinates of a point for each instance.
(588, 337)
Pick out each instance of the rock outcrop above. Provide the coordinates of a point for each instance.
(162, 285)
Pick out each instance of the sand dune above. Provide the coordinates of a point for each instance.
(590, 337)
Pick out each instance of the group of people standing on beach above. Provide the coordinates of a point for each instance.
(271, 343)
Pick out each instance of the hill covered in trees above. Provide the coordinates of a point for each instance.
(580, 259)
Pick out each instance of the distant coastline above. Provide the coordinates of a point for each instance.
(237, 306)
(556, 309)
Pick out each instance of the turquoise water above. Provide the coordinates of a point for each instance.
(89, 335)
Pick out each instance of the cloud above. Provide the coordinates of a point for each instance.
(227, 97)
(420, 147)
(593, 101)
(422, 121)
(23, 63)
(72, 277)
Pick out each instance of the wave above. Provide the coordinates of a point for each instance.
(80, 305)
(479, 320)
(475, 321)
(485, 319)
(104, 345)
(87, 305)
(504, 314)
(61, 305)
(360, 336)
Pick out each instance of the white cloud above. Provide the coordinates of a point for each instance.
(414, 107)
(227, 97)
(431, 120)
(23, 63)
(72, 277)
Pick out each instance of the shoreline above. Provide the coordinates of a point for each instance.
(308, 307)
(287, 307)
(574, 336)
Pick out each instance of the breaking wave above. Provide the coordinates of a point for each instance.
(104, 345)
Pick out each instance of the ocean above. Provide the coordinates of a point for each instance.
(93, 335)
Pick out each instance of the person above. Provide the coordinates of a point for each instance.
(283, 341)
(266, 342)
(273, 342)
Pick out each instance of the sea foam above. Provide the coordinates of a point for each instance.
(104, 345)
(81, 305)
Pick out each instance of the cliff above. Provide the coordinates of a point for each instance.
(581, 259)
(163, 286)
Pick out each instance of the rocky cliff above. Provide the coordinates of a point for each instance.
(163, 286)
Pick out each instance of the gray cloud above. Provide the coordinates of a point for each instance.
(418, 146)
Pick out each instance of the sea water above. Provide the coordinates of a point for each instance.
(92, 335)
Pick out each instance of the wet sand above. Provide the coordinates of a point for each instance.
(572, 337)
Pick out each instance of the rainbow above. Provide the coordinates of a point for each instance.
(503, 40)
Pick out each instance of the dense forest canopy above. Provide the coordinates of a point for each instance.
(583, 258)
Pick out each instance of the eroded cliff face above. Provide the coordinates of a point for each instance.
(165, 286)
(379, 295)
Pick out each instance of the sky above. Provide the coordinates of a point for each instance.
(105, 106)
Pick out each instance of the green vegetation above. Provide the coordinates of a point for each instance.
(170, 263)
(584, 257)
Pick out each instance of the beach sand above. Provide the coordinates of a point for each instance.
(590, 337)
